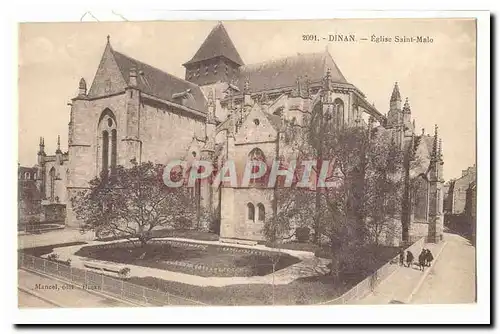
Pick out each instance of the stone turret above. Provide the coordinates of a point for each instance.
(407, 121)
(82, 88)
(41, 152)
(247, 96)
(59, 153)
(210, 124)
(394, 116)
(436, 181)
(132, 136)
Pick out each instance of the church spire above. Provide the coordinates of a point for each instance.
(395, 105)
(396, 95)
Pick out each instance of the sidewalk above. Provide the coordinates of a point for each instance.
(452, 279)
(402, 283)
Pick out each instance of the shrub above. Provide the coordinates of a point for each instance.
(302, 234)
(183, 224)
(124, 272)
(53, 257)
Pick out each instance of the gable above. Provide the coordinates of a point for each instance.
(256, 128)
(422, 156)
(108, 78)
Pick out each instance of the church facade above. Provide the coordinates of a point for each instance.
(224, 110)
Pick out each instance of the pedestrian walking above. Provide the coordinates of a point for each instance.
(409, 258)
(429, 258)
(401, 257)
(421, 259)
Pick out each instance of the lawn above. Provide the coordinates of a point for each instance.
(303, 291)
(196, 259)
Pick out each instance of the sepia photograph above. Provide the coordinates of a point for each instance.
(247, 163)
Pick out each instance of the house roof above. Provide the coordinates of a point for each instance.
(217, 44)
(283, 72)
(160, 84)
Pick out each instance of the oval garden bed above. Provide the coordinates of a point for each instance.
(190, 258)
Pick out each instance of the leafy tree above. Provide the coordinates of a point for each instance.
(132, 202)
(384, 185)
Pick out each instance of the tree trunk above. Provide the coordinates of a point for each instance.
(317, 239)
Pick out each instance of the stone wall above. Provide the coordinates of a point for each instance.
(166, 134)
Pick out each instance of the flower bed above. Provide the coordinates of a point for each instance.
(191, 258)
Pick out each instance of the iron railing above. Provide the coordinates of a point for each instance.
(94, 281)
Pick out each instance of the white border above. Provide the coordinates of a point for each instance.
(455, 314)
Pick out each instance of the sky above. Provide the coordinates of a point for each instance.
(438, 77)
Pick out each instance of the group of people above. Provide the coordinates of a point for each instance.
(424, 259)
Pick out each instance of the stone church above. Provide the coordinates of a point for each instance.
(225, 109)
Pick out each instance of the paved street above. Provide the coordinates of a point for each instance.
(452, 279)
(28, 300)
(40, 291)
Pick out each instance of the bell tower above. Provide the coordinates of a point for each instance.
(216, 60)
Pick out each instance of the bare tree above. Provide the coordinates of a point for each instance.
(132, 202)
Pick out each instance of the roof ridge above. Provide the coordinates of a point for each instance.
(153, 67)
(298, 54)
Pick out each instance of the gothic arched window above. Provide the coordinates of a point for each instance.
(250, 212)
(105, 152)
(256, 155)
(338, 113)
(52, 179)
(113, 151)
(108, 144)
(261, 212)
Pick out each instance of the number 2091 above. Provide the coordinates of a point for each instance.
(310, 37)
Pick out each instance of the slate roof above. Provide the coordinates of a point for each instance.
(283, 72)
(160, 84)
(217, 44)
